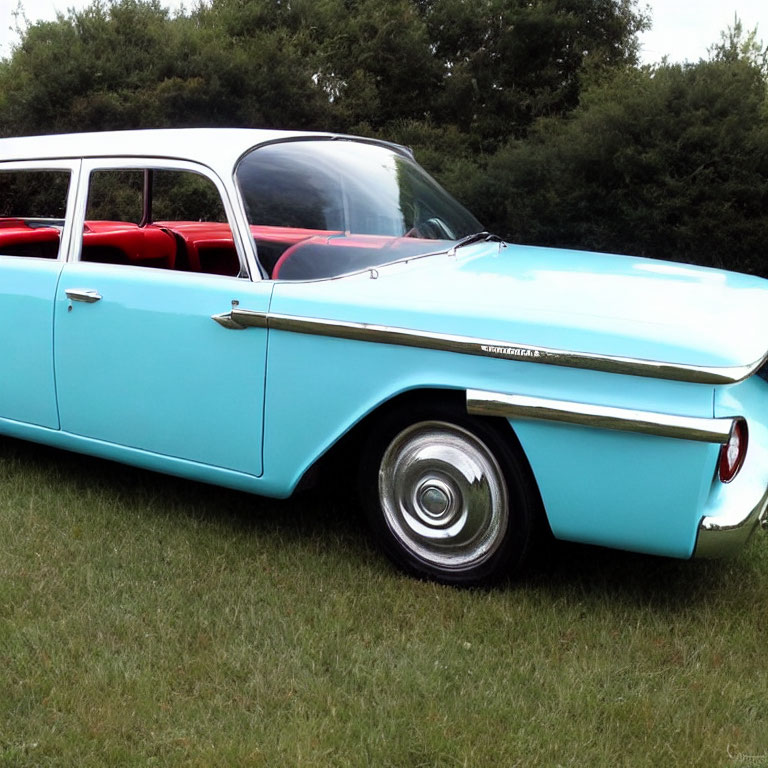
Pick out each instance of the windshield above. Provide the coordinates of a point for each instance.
(321, 208)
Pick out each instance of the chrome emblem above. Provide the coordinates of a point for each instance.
(510, 351)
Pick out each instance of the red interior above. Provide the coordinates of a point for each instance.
(286, 235)
(18, 238)
(191, 246)
(378, 242)
(183, 245)
(119, 242)
(12, 233)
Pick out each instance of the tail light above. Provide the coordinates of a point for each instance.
(733, 452)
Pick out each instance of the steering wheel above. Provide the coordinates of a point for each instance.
(431, 229)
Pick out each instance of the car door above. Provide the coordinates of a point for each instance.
(36, 205)
(140, 361)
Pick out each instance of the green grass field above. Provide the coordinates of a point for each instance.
(148, 621)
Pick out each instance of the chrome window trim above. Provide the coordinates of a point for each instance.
(508, 406)
(284, 137)
(469, 345)
(257, 271)
(92, 164)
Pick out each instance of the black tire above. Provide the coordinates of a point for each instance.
(426, 507)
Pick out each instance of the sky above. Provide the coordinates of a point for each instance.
(682, 29)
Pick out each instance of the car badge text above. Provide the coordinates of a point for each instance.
(510, 351)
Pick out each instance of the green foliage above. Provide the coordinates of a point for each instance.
(34, 194)
(670, 162)
(489, 68)
(129, 65)
(737, 45)
(507, 63)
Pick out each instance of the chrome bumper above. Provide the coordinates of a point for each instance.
(725, 535)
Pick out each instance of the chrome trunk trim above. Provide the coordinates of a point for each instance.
(599, 416)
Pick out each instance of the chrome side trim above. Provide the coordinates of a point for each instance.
(240, 319)
(250, 319)
(225, 319)
(726, 535)
(599, 416)
(470, 345)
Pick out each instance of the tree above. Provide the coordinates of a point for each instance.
(506, 63)
(128, 64)
(737, 45)
(669, 162)
(487, 68)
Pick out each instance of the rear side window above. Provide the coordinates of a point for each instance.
(160, 218)
(118, 195)
(33, 204)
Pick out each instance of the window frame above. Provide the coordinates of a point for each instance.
(117, 163)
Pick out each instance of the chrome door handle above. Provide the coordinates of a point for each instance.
(83, 294)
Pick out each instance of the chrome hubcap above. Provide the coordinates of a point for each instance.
(433, 500)
(443, 495)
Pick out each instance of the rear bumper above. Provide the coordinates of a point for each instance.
(725, 535)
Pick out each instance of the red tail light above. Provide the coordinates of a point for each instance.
(733, 452)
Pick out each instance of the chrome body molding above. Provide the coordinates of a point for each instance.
(469, 345)
(225, 320)
(240, 319)
(250, 319)
(599, 416)
(723, 536)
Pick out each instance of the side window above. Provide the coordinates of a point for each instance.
(116, 196)
(166, 219)
(33, 204)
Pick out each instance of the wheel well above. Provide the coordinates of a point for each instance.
(333, 466)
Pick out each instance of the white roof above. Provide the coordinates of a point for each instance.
(215, 147)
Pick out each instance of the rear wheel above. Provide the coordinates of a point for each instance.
(448, 499)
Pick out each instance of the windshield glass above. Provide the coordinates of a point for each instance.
(321, 208)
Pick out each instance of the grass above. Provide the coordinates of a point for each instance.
(150, 621)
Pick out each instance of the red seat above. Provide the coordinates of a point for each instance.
(120, 242)
(209, 246)
(18, 238)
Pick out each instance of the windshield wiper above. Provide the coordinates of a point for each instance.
(477, 237)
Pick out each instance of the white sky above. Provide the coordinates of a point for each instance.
(682, 29)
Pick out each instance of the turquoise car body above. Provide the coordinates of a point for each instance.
(246, 381)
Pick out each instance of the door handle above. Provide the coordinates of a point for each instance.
(87, 295)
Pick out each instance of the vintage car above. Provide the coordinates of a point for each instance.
(239, 306)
